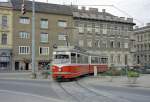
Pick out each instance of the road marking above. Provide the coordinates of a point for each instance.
(28, 94)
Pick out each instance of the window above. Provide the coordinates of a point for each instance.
(97, 43)
(97, 29)
(81, 43)
(89, 42)
(145, 46)
(62, 36)
(104, 31)
(104, 44)
(89, 28)
(24, 20)
(4, 39)
(79, 58)
(44, 37)
(145, 58)
(126, 45)
(62, 23)
(81, 29)
(24, 35)
(118, 45)
(112, 59)
(126, 59)
(103, 60)
(73, 58)
(44, 51)
(94, 60)
(24, 49)
(111, 44)
(44, 23)
(119, 58)
(4, 21)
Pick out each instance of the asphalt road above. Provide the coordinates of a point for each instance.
(49, 91)
(26, 91)
(132, 94)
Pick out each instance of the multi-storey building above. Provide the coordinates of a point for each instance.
(105, 34)
(50, 29)
(98, 32)
(142, 45)
(5, 36)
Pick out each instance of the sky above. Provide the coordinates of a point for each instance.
(137, 9)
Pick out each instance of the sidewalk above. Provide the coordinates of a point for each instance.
(119, 81)
(22, 76)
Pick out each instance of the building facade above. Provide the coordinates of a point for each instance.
(51, 22)
(5, 36)
(142, 45)
(104, 34)
(59, 25)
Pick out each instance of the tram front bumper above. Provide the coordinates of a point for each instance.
(64, 75)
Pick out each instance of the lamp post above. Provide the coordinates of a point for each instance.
(33, 39)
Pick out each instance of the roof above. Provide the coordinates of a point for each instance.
(5, 4)
(101, 16)
(42, 7)
(142, 29)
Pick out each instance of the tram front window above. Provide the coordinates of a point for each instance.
(61, 59)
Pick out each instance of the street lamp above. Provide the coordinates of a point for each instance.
(33, 39)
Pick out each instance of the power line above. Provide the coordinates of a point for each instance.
(142, 23)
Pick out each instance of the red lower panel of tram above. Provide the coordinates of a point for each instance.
(73, 71)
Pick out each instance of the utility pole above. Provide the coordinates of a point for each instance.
(33, 39)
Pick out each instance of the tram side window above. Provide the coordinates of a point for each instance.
(79, 58)
(94, 60)
(104, 60)
(73, 58)
(86, 59)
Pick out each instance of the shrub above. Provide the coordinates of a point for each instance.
(133, 74)
(112, 72)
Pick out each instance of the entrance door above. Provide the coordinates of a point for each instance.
(27, 66)
(16, 65)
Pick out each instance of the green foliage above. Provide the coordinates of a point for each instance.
(113, 72)
(133, 74)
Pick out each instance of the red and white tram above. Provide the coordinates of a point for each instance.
(71, 62)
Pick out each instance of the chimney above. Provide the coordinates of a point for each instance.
(130, 19)
(104, 10)
(74, 7)
(93, 10)
(122, 18)
(83, 8)
(147, 24)
(136, 27)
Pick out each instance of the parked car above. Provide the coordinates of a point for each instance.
(142, 69)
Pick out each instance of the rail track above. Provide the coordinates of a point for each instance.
(80, 93)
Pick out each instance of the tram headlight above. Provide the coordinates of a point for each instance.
(59, 69)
